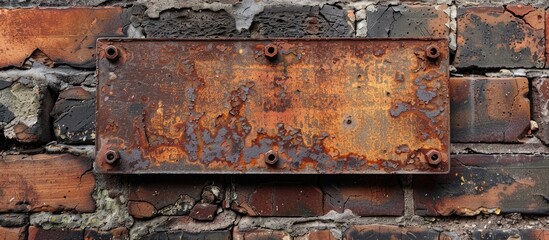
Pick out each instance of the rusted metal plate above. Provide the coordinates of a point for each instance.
(273, 106)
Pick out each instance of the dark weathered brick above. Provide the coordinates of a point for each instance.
(120, 233)
(278, 196)
(407, 21)
(74, 116)
(540, 107)
(493, 37)
(13, 233)
(260, 234)
(188, 23)
(46, 183)
(485, 184)
(489, 109)
(301, 21)
(24, 111)
(171, 195)
(364, 195)
(364, 232)
(13, 220)
(63, 36)
(205, 235)
(511, 234)
(37, 233)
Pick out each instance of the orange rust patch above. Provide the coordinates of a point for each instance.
(64, 36)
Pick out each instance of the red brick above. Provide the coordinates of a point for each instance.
(493, 37)
(203, 211)
(278, 196)
(260, 234)
(364, 232)
(206, 235)
(19, 233)
(36, 233)
(141, 209)
(65, 36)
(46, 183)
(540, 107)
(120, 233)
(364, 195)
(489, 109)
(317, 235)
(485, 184)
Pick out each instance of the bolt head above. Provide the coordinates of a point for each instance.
(271, 157)
(111, 156)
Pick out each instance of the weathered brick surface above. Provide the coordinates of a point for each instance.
(498, 37)
(120, 233)
(406, 21)
(278, 196)
(206, 235)
(19, 233)
(540, 107)
(317, 235)
(364, 195)
(37, 233)
(65, 36)
(24, 110)
(74, 116)
(260, 234)
(496, 234)
(363, 232)
(203, 211)
(302, 21)
(489, 109)
(171, 195)
(188, 23)
(46, 183)
(485, 184)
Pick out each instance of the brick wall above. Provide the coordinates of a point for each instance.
(498, 187)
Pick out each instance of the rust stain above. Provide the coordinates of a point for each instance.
(320, 106)
(64, 36)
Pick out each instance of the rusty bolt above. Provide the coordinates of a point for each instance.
(271, 51)
(111, 156)
(271, 157)
(433, 157)
(432, 52)
(111, 52)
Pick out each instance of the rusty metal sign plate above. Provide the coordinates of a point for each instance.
(273, 106)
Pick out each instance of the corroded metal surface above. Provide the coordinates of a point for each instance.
(273, 106)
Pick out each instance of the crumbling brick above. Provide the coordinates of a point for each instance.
(46, 183)
(317, 235)
(221, 235)
(406, 21)
(302, 21)
(540, 107)
(260, 234)
(489, 109)
(499, 37)
(364, 195)
(37, 233)
(64, 36)
(74, 116)
(510, 234)
(120, 233)
(485, 184)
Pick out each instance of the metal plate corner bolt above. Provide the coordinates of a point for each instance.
(273, 106)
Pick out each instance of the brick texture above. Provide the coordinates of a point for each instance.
(46, 183)
(489, 109)
(499, 37)
(74, 116)
(540, 107)
(65, 36)
(493, 234)
(406, 21)
(260, 234)
(485, 184)
(362, 232)
(13, 233)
